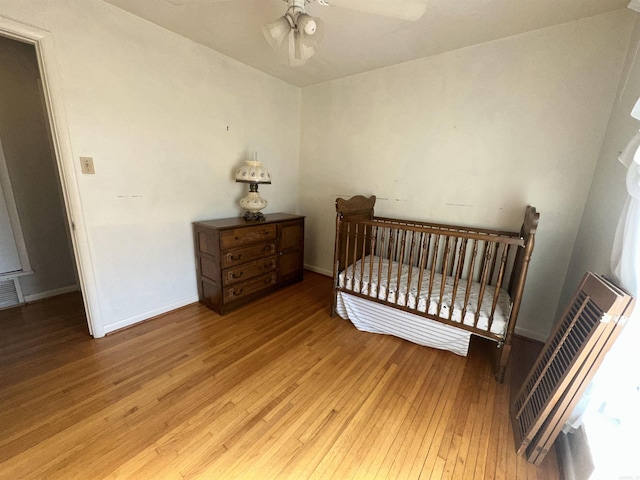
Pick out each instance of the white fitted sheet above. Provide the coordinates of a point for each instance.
(351, 280)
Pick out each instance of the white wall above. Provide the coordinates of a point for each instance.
(592, 250)
(33, 174)
(167, 121)
(471, 136)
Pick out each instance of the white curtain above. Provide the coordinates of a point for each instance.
(609, 385)
(617, 383)
(625, 255)
(610, 410)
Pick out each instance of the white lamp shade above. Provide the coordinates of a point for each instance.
(299, 53)
(253, 172)
(311, 29)
(635, 111)
(276, 32)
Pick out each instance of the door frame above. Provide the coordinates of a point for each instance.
(6, 190)
(42, 41)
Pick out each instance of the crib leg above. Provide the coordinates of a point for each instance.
(333, 304)
(504, 353)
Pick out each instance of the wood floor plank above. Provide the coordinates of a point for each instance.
(278, 389)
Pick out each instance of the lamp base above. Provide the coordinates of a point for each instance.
(253, 216)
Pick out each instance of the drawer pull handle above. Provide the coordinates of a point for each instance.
(268, 248)
(237, 275)
(235, 293)
(267, 281)
(235, 257)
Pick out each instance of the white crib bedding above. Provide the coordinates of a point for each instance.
(400, 296)
(373, 317)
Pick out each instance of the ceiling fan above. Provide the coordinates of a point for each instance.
(303, 32)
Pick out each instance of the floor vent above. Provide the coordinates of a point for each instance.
(9, 295)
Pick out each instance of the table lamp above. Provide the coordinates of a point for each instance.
(253, 173)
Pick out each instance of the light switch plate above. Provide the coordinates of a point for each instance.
(87, 165)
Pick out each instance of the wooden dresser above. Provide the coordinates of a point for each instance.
(238, 261)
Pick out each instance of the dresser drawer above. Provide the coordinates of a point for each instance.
(237, 256)
(240, 290)
(248, 270)
(245, 236)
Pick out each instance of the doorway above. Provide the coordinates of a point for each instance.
(36, 246)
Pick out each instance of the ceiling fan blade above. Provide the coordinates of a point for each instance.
(410, 10)
(184, 2)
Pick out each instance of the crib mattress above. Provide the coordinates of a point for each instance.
(352, 279)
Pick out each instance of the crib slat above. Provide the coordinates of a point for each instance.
(488, 253)
(372, 255)
(460, 260)
(362, 255)
(434, 265)
(347, 226)
(484, 259)
(493, 265)
(355, 252)
(425, 240)
(353, 245)
(411, 249)
(470, 279)
(451, 265)
(380, 255)
(443, 282)
(392, 242)
(503, 263)
(400, 263)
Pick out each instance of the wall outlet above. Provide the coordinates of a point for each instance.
(87, 165)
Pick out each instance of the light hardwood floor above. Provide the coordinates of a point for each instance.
(275, 390)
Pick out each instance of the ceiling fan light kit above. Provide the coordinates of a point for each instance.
(305, 32)
(302, 30)
(276, 32)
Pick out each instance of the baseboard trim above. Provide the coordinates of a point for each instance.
(321, 271)
(50, 293)
(112, 327)
(524, 332)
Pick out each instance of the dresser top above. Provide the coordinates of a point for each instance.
(236, 222)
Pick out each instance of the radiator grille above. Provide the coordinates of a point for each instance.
(8, 294)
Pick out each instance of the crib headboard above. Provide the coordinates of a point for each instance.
(351, 210)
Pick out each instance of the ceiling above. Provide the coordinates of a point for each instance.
(356, 42)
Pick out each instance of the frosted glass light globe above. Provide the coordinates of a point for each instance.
(310, 27)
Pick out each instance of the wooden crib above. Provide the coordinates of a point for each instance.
(430, 283)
